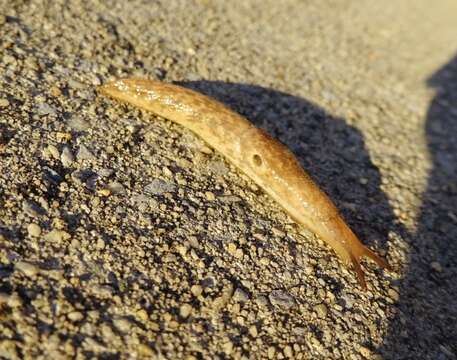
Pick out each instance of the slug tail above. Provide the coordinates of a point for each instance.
(360, 274)
(355, 261)
(376, 258)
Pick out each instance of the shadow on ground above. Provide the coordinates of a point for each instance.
(425, 326)
(334, 153)
(330, 150)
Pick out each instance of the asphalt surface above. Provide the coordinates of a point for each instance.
(124, 236)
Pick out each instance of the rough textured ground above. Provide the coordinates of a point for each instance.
(123, 236)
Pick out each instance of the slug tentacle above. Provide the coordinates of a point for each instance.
(266, 161)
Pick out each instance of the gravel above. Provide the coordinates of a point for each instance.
(124, 236)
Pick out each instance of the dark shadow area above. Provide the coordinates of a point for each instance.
(425, 326)
(331, 151)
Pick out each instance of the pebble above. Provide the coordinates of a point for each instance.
(315, 343)
(8, 349)
(67, 157)
(210, 196)
(34, 230)
(271, 352)
(116, 187)
(104, 192)
(300, 331)
(145, 351)
(261, 300)
(185, 310)
(75, 84)
(218, 303)
(75, 316)
(4, 103)
(154, 326)
(436, 266)
(167, 172)
(278, 233)
(102, 291)
(105, 172)
(196, 290)
(45, 109)
(55, 91)
(78, 124)
(239, 254)
(142, 315)
(227, 347)
(57, 236)
(122, 324)
(84, 153)
(159, 186)
(288, 352)
(27, 268)
(217, 167)
(240, 295)
(100, 244)
(231, 248)
(281, 299)
(229, 199)
(14, 300)
(321, 310)
(348, 301)
(365, 352)
(253, 331)
(393, 294)
(4, 298)
(53, 151)
(32, 208)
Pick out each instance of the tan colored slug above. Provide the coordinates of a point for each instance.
(266, 161)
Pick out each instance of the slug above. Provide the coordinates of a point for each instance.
(266, 161)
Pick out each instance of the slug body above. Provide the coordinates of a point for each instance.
(267, 162)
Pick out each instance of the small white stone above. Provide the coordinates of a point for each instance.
(435, 265)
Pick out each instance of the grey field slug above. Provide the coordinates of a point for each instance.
(266, 161)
